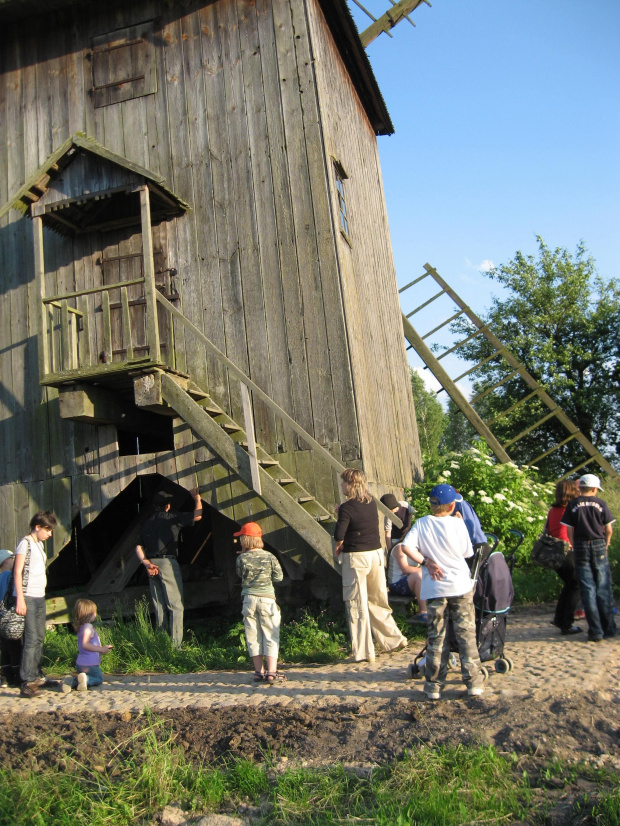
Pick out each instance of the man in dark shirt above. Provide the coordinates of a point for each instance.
(158, 551)
(589, 523)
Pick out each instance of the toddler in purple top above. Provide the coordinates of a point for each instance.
(90, 650)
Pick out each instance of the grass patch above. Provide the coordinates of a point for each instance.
(306, 636)
(535, 585)
(443, 787)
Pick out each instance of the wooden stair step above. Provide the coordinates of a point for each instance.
(286, 480)
(268, 463)
(210, 407)
(230, 427)
(303, 499)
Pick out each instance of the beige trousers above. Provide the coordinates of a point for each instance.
(368, 612)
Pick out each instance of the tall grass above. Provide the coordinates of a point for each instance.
(444, 787)
(215, 644)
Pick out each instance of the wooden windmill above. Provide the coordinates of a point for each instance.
(196, 283)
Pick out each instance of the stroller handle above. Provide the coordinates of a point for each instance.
(511, 557)
(493, 540)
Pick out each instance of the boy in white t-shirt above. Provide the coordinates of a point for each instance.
(441, 545)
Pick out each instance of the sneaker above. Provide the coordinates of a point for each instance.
(82, 681)
(66, 685)
(29, 690)
(575, 629)
(432, 693)
(4, 683)
(53, 684)
(475, 691)
(580, 613)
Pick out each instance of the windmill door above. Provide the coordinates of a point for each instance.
(122, 261)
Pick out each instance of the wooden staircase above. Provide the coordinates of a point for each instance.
(282, 493)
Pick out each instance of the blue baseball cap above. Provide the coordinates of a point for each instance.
(443, 495)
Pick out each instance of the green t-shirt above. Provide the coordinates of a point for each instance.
(258, 570)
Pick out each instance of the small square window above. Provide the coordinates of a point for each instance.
(341, 177)
(124, 65)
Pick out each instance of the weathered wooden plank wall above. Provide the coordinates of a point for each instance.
(380, 373)
(238, 128)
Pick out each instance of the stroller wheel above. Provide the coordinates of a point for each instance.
(510, 663)
(502, 666)
(452, 661)
(415, 672)
(485, 673)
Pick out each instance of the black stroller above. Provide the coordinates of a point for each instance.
(493, 595)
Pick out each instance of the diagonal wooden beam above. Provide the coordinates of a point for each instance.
(391, 18)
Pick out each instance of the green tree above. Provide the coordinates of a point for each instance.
(429, 415)
(561, 320)
(459, 434)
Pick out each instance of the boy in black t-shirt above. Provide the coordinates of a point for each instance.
(589, 523)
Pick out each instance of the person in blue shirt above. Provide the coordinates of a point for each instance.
(464, 511)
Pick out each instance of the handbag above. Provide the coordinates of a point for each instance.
(12, 624)
(549, 551)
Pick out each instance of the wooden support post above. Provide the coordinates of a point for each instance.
(150, 292)
(65, 337)
(39, 269)
(127, 340)
(249, 433)
(84, 358)
(455, 394)
(107, 328)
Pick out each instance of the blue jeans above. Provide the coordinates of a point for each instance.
(34, 637)
(93, 673)
(594, 573)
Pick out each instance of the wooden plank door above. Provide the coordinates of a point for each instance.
(122, 260)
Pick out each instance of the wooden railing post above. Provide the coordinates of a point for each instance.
(150, 292)
(249, 432)
(39, 270)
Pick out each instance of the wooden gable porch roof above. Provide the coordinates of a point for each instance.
(76, 211)
(339, 20)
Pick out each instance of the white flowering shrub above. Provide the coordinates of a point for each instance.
(503, 495)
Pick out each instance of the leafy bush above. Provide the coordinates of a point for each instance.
(503, 495)
(309, 637)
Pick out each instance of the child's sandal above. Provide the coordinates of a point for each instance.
(259, 677)
(272, 676)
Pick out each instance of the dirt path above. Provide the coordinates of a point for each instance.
(546, 664)
(562, 698)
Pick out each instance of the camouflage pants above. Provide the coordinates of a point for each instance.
(460, 610)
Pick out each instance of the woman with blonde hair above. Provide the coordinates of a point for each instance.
(363, 575)
(565, 490)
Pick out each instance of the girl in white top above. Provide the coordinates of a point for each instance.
(30, 601)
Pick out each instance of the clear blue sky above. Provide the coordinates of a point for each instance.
(507, 123)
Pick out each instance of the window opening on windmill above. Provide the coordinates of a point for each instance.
(158, 438)
(123, 65)
(341, 177)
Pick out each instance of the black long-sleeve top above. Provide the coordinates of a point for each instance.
(358, 526)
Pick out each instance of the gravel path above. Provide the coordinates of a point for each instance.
(545, 664)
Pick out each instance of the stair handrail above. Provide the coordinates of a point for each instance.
(274, 406)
